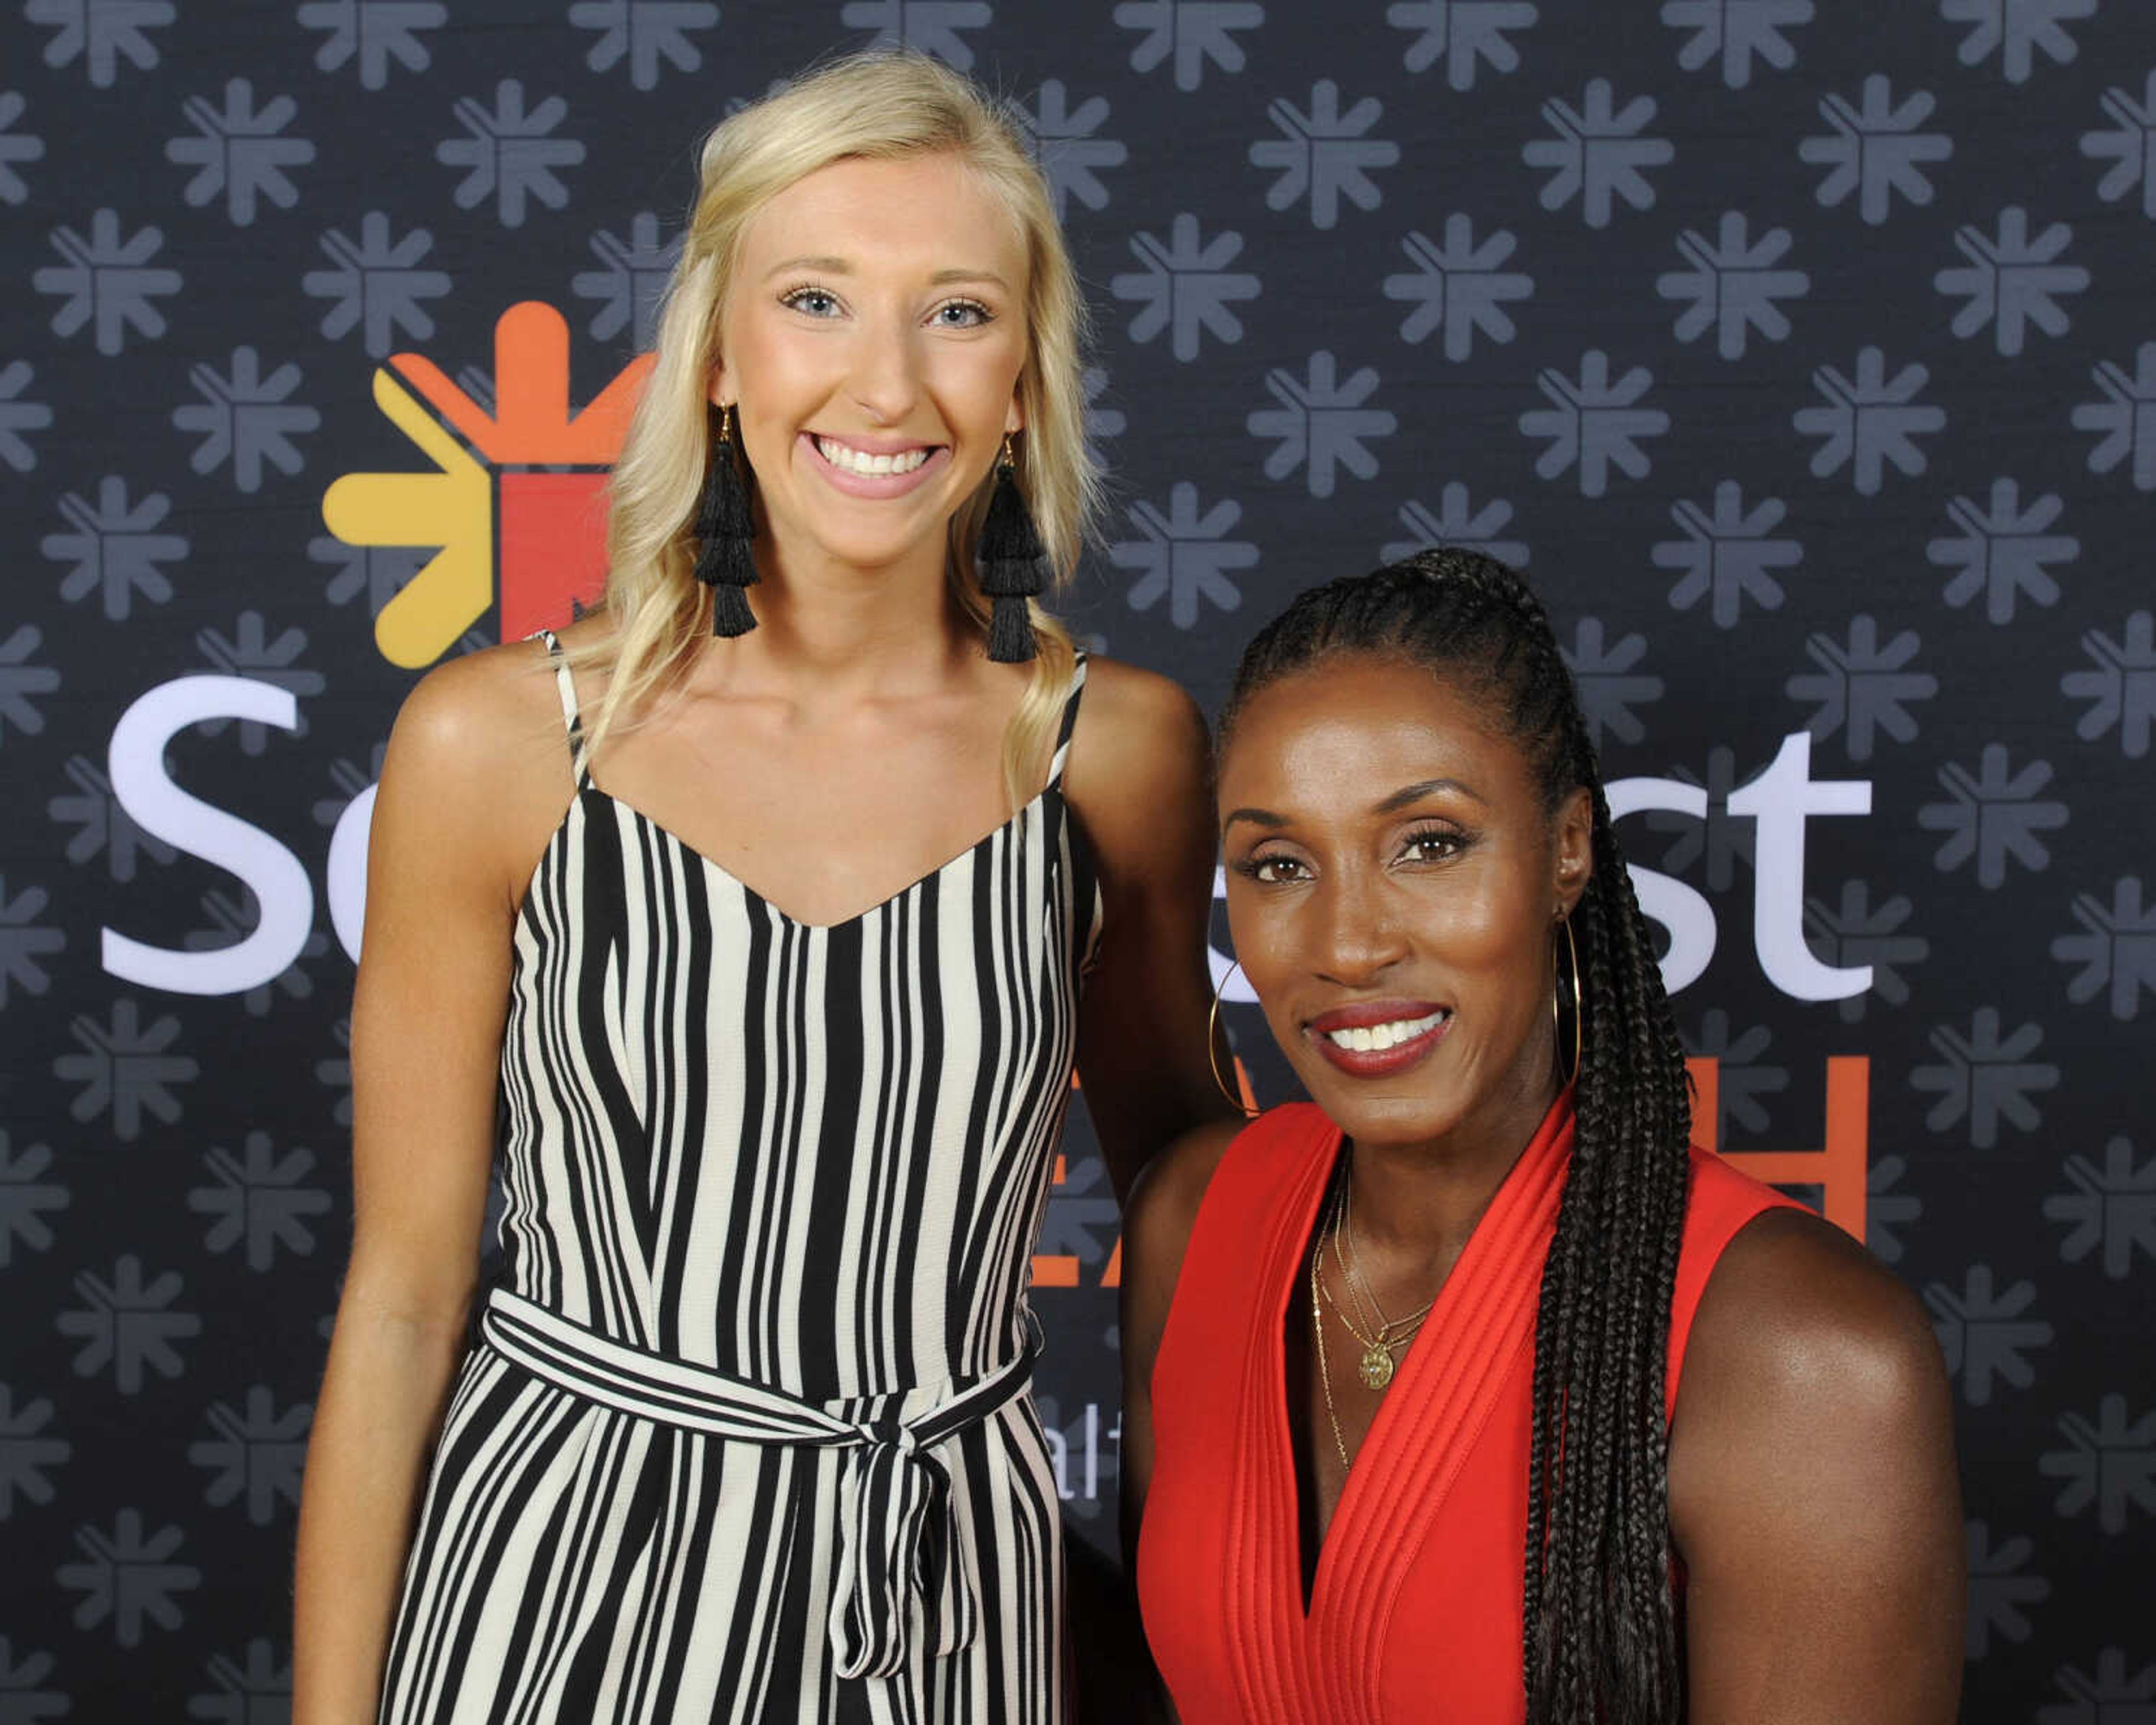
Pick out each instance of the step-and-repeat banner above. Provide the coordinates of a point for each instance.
(1803, 350)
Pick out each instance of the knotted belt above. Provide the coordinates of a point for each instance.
(897, 1528)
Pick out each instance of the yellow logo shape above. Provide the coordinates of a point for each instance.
(515, 508)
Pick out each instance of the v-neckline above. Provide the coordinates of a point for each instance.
(589, 788)
(1306, 1218)
(586, 785)
(1532, 1184)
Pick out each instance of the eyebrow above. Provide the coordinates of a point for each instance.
(1406, 797)
(1413, 793)
(843, 266)
(827, 266)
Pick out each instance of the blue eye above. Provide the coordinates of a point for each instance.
(962, 314)
(811, 301)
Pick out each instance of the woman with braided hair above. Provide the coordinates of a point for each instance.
(1472, 1392)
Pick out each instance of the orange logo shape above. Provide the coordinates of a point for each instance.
(514, 505)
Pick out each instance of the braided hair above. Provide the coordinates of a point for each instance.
(1600, 1642)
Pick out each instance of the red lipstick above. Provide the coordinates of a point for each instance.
(1408, 1030)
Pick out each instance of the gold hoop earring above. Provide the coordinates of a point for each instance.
(1578, 1010)
(1235, 1097)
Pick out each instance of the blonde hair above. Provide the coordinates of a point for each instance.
(885, 105)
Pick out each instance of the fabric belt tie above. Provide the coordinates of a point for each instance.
(898, 1535)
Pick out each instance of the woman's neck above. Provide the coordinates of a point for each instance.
(1416, 1204)
(851, 627)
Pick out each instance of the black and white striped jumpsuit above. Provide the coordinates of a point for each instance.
(746, 1432)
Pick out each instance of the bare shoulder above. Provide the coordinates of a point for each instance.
(1811, 1374)
(1795, 1306)
(1140, 774)
(1165, 1198)
(1120, 696)
(1157, 1225)
(478, 761)
(467, 711)
(1812, 1490)
(1135, 724)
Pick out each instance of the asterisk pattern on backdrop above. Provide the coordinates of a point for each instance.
(1802, 354)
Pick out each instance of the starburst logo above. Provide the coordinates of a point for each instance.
(513, 511)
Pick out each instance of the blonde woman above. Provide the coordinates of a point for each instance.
(779, 1012)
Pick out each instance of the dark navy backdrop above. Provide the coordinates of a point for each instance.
(1802, 349)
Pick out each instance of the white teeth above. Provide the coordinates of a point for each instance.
(860, 461)
(1372, 1038)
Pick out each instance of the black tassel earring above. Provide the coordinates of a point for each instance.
(1008, 560)
(724, 528)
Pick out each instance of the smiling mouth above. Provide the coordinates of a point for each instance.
(1380, 1038)
(849, 459)
(1376, 1039)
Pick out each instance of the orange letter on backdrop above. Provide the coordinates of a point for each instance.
(1839, 1168)
(1059, 1269)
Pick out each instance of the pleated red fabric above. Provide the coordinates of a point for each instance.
(1415, 1613)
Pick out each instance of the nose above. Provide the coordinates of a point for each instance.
(885, 376)
(1357, 937)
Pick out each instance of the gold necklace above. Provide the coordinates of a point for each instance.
(1378, 1363)
(1324, 1371)
(1381, 1343)
(1351, 1264)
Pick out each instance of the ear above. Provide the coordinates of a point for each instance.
(1573, 831)
(717, 388)
(1014, 420)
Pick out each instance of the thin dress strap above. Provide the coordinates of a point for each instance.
(572, 721)
(1070, 720)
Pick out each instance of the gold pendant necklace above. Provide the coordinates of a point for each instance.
(1376, 1367)
(1387, 1335)
(1378, 1363)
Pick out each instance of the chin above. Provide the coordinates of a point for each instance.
(1407, 1120)
(1376, 1112)
(878, 551)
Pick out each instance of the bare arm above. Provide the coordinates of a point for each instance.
(1162, 1209)
(428, 1015)
(1157, 1225)
(1813, 1493)
(1139, 781)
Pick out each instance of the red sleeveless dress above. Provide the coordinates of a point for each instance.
(1415, 1611)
